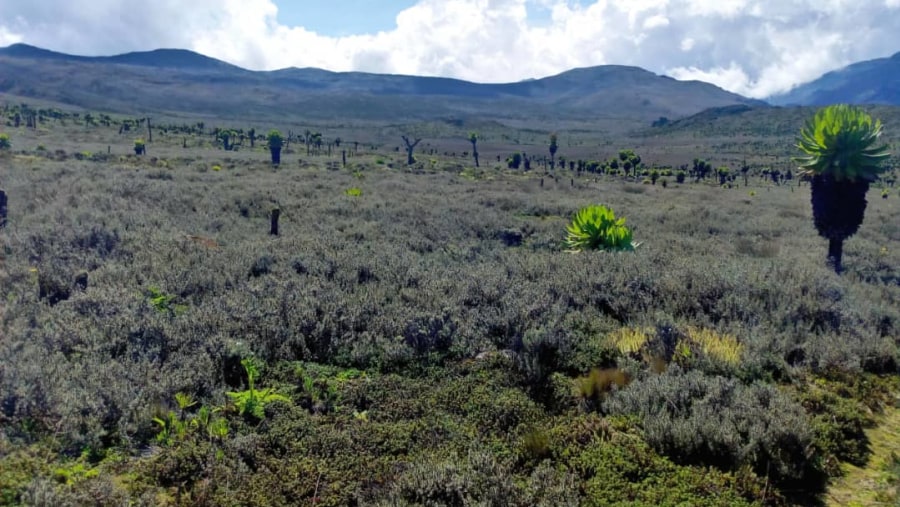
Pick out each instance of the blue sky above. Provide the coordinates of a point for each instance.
(351, 17)
(344, 17)
(753, 47)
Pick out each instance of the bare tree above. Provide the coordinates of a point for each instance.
(473, 138)
(410, 146)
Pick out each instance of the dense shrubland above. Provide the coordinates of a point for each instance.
(428, 339)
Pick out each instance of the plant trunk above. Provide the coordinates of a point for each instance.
(276, 155)
(838, 211)
(276, 214)
(835, 252)
(3, 211)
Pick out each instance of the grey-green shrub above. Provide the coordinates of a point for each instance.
(718, 421)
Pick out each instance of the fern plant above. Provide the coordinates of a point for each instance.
(164, 303)
(179, 426)
(75, 472)
(253, 401)
(171, 428)
(597, 228)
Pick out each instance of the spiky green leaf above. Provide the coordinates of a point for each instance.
(841, 141)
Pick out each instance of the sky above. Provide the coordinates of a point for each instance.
(753, 47)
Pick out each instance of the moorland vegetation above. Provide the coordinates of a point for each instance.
(420, 330)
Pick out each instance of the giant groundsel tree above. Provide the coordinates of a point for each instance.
(276, 141)
(842, 157)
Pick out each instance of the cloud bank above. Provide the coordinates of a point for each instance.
(753, 47)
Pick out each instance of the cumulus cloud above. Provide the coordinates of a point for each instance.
(753, 47)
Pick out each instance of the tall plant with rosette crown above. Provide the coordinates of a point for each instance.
(842, 157)
(276, 141)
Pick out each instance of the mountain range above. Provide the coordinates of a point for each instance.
(183, 82)
(869, 82)
(179, 81)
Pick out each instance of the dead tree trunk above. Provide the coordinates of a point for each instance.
(410, 146)
(276, 214)
(2, 209)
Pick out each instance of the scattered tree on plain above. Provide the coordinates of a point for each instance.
(553, 148)
(410, 146)
(841, 159)
(276, 141)
(473, 138)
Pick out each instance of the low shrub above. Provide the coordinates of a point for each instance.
(715, 421)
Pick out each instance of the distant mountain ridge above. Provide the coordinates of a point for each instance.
(165, 58)
(187, 82)
(869, 82)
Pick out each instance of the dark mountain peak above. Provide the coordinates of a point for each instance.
(21, 50)
(163, 58)
(170, 58)
(874, 81)
(606, 69)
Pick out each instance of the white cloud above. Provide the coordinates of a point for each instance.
(732, 77)
(717, 8)
(657, 21)
(753, 47)
(7, 38)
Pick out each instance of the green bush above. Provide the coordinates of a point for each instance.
(5, 144)
(624, 471)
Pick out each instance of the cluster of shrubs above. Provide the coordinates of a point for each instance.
(435, 341)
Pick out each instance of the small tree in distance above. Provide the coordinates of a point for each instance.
(514, 161)
(276, 141)
(473, 138)
(553, 148)
(410, 146)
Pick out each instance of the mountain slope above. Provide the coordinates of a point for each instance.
(869, 82)
(183, 81)
(161, 58)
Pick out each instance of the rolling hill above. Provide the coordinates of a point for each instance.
(172, 80)
(869, 82)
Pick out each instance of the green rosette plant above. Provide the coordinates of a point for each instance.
(841, 158)
(597, 228)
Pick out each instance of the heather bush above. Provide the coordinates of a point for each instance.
(468, 325)
(715, 421)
